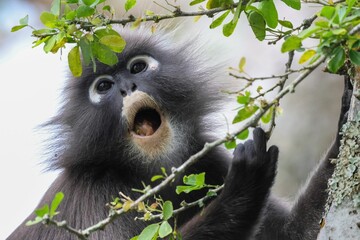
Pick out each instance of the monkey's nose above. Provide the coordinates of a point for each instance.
(128, 89)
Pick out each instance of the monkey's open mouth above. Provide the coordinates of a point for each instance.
(148, 127)
(146, 122)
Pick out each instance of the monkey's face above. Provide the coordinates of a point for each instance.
(145, 107)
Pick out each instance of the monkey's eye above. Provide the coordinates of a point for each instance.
(99, 87)
(142, 63)
(138, 67)
(103, 86)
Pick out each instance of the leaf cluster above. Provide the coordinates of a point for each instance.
(333, 30)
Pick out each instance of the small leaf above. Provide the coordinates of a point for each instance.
(195, 179)
(242, 64)
(229, 28)
(167, 210)
(245, 113)
(88, 2)
(306, 56)
(243, 99)
(48, 19)
(266, 118)
(165, 229)
(156, 177)
(257, 24)
(219, 20)
(50, 43)
(218, 3)
(243, 135)
(40, 212)
(24, 20)
(286, 24)
(127, 205)
(104, 54)
(55, 7)
(308, 32)
(269, 12)
(129, 4)
(230, 144)
(115, 43)
(196, 2)
(75, 62)
(149, 232)
(337, 59)
(291, 43)
(84, 11)
(295, 4)
(327, 12)
(17, 28)
(354, 57)
(55, 203)
(33, 222)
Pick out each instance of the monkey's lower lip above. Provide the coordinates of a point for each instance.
(146, 122)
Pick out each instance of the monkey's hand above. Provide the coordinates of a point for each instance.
(235, 212)
(252, 172)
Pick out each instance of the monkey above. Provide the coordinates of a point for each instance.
(120, 124)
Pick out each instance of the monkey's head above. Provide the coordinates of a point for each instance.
(149, 107)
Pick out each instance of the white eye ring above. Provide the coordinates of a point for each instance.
(152, 64)
(94, 95)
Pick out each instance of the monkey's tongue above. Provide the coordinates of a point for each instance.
(144, 128)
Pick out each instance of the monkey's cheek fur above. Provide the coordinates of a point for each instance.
(149, 130)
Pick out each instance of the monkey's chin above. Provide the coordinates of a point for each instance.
(149, 129)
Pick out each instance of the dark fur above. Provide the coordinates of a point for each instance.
(90, 148)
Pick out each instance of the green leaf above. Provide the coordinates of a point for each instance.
(17, 28)
(195, 179)
(291, 43)
(196, 2)
(218, 3)
(156, 177)
(354, 57)
(243, 135)
(74, 61)
(286, 24)
(33, 222)
(106, 32)
(40, 212)
(229, 28)
(257, 24)
(243, 99)
(295, 4)
(129, 4)
(337, 59)
(115, 43)
(165, 229)
(50, 43)
(230, 144)
(306, 56)
(89, 2)
(149, 232)
(327, 12)
(55, 203)
(104, 54)
(72, 1)
(219, 20)
(242, 64)
(48, 19)
(55, 7)
(167, 210)
(24, 20)
(84, 11)
(269, 12)
(266, 118)
(308, 32)
(245, 113)
(339, 31)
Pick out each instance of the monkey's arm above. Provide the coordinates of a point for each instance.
(236, 211)
(302, 221)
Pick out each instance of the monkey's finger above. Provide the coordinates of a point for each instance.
(260, 140)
